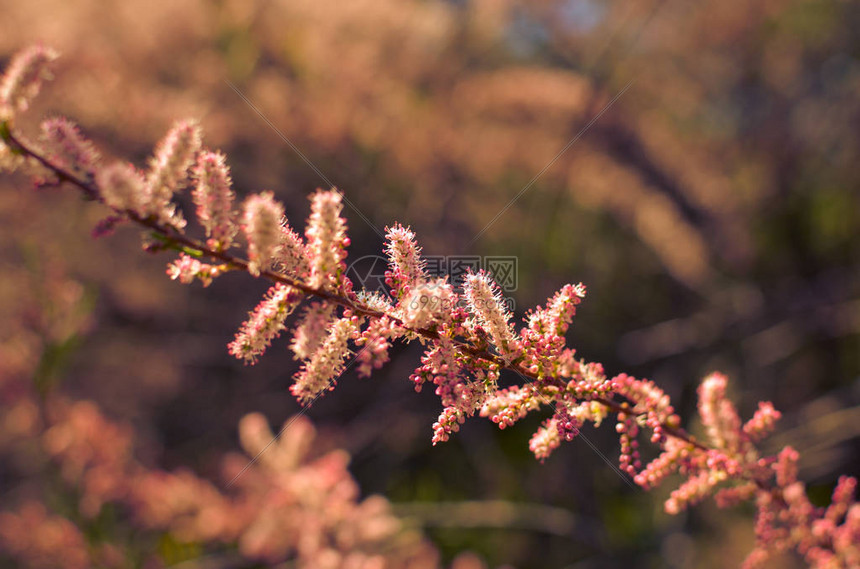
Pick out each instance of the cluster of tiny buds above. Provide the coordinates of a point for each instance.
(568, 427)
(628, 430)
(468, 339)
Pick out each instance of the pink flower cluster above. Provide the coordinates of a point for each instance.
(44, 540)
(469, 340)
(294, 504)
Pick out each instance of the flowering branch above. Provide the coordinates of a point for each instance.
(469, 339)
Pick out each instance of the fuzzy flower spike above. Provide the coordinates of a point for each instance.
(23, 79)
(486, 303)
(320, 372)
(68, 148)
(122, 187)
(327, 240)
(466, 347)
(261, 222)
(265, 323)
(404, 258)
(168, 170)
(213, 195)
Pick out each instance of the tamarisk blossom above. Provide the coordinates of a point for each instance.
(320, 372)
(327, 240)
(441, 366)
(37, 538)
(548, 324)
(67, 148)
(786, 519)
(564, 425)
(423, 303)
(762, 422)
(554, 319)
(186, 268)
(428, 303)
(628, 430)
(213, 195)
(261, 222)
(718, 414)
(485, 302)
(507, 406)
(373, 343)
(19, 84)
(543, 338)
(312, 329)
(23, 79)
(122, 187)
(706, 469)
(291, 255)
(461, 395)
(694, 489)
(168, 170)
(374, 339)
(404, 258)
(545, 440)
(265, 322)
(457, 361)
(649, 400)
(295, 504)
(666, 463)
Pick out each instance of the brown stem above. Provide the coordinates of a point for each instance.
(178, 238)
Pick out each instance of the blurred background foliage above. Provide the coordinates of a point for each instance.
(712, 210)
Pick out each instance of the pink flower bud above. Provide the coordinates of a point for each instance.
(449, 421)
